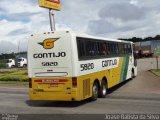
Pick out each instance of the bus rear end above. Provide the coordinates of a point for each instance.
(50, 67)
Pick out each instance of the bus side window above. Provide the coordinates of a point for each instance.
(121, 50)
(105, 48)
(125, 49)
(116, 49)
(94, 48)
(113, 49)
(129, 49)
(81, 48)
(100, 49)
(110, 49)
(90, 48)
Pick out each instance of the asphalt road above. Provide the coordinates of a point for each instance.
(140, 95)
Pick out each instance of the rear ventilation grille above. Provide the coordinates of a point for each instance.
(86, 88)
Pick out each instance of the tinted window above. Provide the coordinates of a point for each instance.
(96, 49)
(91, 49)
(121, 49)
(101, 48)
(81, 48)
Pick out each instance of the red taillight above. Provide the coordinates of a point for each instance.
(30, 83)
(74, 82)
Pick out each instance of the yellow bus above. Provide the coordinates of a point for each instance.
(69, 66)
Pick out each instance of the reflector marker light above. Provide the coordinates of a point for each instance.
(51, 81)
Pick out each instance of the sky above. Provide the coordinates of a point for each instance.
(107, 18)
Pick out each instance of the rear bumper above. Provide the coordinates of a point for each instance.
(54, 96)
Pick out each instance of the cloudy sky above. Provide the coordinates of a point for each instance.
(108, 18)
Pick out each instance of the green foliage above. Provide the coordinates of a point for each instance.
(2, 64)
(7, 56)
(19, 75)
(135, 39)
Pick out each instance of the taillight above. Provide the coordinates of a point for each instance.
(74, 82)
(30, 83)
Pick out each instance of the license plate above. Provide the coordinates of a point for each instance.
(53, 85)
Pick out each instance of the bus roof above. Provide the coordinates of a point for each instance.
(78, 34)
(98, 37)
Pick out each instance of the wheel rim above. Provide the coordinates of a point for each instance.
(95, 91)
(104, 91)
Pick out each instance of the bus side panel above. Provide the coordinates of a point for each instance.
(112, 75)
(85, 82)
(130, 66)
(124, 68)
(116, 74)
(127, 66)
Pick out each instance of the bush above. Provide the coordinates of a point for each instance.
(21, 76)
(2, 64)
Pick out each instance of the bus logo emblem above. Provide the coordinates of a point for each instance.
(48, 43)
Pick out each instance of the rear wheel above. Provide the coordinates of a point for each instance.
(103, 90)
(94, 91)
(132, 74)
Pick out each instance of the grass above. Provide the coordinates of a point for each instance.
(2, 64)
(20, 76)
(156, 72)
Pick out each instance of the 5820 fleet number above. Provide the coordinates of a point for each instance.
(87, 66)
(49, 63)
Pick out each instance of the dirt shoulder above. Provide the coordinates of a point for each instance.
(145, 82)
(156, 72)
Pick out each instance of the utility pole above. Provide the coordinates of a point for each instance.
(51, 5)
(157, 62)
(19, 48)
(52, 20)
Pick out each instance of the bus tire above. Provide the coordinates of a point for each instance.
(103, 89)
(94, 91)
(132, 74)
